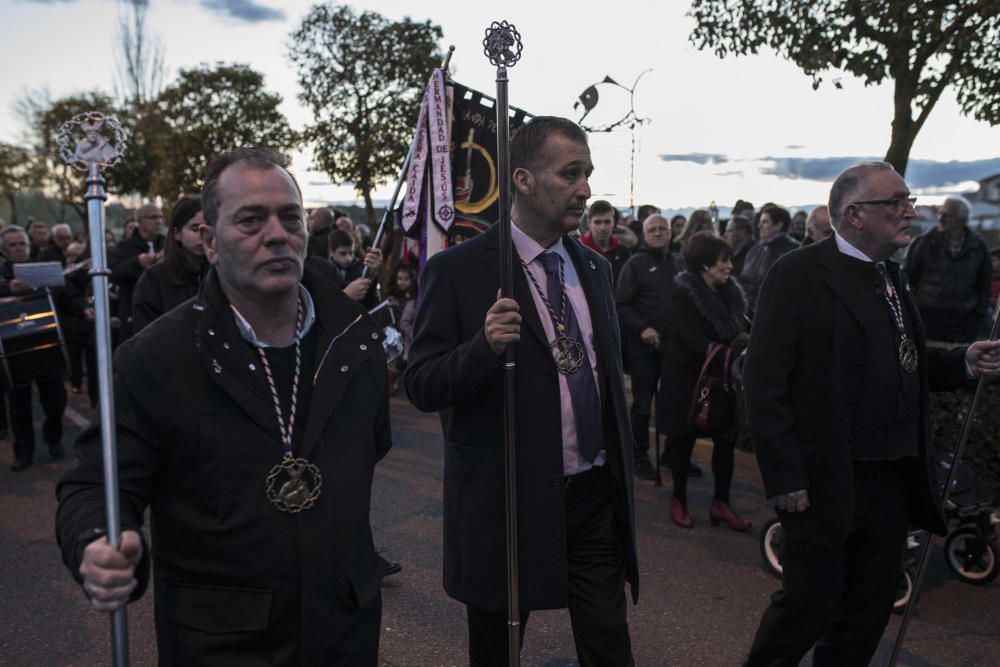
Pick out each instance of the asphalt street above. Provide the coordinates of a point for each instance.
(702, 590)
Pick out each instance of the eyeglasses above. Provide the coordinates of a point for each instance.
(895, 203)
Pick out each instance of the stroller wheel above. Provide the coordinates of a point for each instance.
(972, 559)
(904, 589)
(770, 546)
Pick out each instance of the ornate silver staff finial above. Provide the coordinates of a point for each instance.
(94, 148)
(502, 44)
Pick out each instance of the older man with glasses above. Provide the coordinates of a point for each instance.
(837, 380)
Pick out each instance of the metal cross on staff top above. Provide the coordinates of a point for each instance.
(502, 46)
(91, 154)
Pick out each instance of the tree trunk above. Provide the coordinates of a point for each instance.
(904, 129)
(369, 210)
(12, 198)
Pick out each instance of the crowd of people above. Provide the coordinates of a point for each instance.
(252, 401)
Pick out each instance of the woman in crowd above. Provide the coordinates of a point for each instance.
(700, 221)
(708, 307)
(402, 297)
(168, 284)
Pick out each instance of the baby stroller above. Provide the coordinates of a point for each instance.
(970, 549)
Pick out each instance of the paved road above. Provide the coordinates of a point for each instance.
(702, 589)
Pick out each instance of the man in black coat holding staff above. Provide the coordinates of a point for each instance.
(574, 445)
(249, 420)
(837, 381)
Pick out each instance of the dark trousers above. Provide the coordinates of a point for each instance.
(52, 395)
(646, 362)
(840, 598)
(723, 461)
(596, 555)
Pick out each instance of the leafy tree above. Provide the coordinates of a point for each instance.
(20, 171)
(209, 110)
(921, 47)
(363, 76)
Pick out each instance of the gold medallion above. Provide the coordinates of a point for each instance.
(293, 485)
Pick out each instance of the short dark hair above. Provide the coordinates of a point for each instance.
(11, 229)
(739, 222)
(252, 157)
(778, 215)
(704, 249)
(338, 238)
(742, 205)
(601, 207)
(645, 211)
(527, 142)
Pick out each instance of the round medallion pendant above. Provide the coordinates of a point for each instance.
(908, 355)
(293, 485)
(568, 354)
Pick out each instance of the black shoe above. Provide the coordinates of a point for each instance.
(56, 451)
(388, 568)
(643, 468)
(20, 464)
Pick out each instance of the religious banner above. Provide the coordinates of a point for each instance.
(452, 180)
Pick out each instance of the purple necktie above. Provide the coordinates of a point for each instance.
(582, 388)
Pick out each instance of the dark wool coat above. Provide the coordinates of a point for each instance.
(160, 290)
(700, 315)
(802, 378)
(759, 260)
(451, 369)
(238, 582)
(123, 262)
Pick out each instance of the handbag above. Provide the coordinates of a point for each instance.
(713, 402)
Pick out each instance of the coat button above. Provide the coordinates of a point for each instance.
(343, 369)
(363, 347)
(225, 346)
(211, 332)
(253, 367)
(374, 335)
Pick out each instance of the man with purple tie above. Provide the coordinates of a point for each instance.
(575, 512)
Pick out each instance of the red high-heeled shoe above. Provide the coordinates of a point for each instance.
(720, 511)
(679, 514)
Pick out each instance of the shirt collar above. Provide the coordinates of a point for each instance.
(309, 319)
(844, 246)
(528, 249)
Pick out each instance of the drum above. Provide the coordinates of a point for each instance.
(31, 342)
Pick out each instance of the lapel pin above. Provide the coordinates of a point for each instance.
(593, 267)
(216, 367)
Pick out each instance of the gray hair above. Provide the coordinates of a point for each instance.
(847, 184)
(961, 208)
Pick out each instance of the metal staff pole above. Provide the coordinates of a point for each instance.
(91, 155)
(963, 439)
(387, 213)
(502, 46)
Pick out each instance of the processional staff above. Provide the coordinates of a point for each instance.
(91, 155)
(502, 46)
(956, 461)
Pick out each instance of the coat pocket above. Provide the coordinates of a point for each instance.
(219, 610)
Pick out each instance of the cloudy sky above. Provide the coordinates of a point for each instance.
(749, 128)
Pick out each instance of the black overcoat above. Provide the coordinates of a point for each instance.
(452, 370)
(238, 582)
(161, 289)
(803, 377)
(699, 316)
